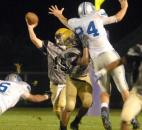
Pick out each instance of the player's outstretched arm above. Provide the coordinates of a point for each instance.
(124, 6)
(37, 97)
(36, 41)
(54, 10)
(84, 60)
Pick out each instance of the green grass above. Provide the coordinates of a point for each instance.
(45, 119)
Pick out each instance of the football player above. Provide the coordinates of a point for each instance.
(12, 89)
(91, 23)
(77, 81)
(56, 75)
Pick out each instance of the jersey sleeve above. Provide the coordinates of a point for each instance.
(43, 49)
(72, 23)
(26, 88)
(25, 95)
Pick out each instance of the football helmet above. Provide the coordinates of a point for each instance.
(13, 77)
(85, 8)
(65, 37)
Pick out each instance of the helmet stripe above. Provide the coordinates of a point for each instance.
(84, 11)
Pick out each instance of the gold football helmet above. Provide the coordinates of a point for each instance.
(65, 37)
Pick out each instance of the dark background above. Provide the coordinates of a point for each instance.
(15, 45)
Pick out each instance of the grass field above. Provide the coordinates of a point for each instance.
(45, 119)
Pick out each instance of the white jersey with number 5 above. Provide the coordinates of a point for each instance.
(11, 92)
(93, 26)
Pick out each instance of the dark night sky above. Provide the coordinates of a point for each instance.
(15, 45)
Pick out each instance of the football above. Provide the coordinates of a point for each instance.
(31, 18)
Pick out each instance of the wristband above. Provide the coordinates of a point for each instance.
(46, 96)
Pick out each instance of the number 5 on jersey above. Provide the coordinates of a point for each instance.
(3, 87)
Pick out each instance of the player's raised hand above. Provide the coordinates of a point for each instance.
(55, 11)
(30, 25)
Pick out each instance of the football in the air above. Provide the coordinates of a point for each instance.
(31, 18)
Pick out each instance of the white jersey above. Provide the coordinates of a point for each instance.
(93, 26)
(11, 92)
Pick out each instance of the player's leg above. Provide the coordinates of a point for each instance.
(59, 101)
(131, 109)
(104, 84)
(71, 93)
(105, 99)
(85, 94)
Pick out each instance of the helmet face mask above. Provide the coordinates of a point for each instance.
(85, 8)
(65, 38)
(13, 77)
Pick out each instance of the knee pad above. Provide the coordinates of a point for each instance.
(70, 106)
(87, 102)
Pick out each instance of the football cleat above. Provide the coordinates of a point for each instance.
(105, 118)
(135, 124)
(74, 126)
(62, 127)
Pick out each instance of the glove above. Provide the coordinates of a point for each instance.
(84, 40)
(48, 94)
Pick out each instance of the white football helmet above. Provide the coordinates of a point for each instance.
(13, 77)
(85, 8)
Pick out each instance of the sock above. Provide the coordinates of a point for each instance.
(62, 127)
(82, 111)
(133, 121)
(77, 120)
(104, 105)
(105, 111)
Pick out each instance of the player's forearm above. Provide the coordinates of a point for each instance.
(120, 15)
(36, 41)
(38, 98)
(84, 60)
(64, 21)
